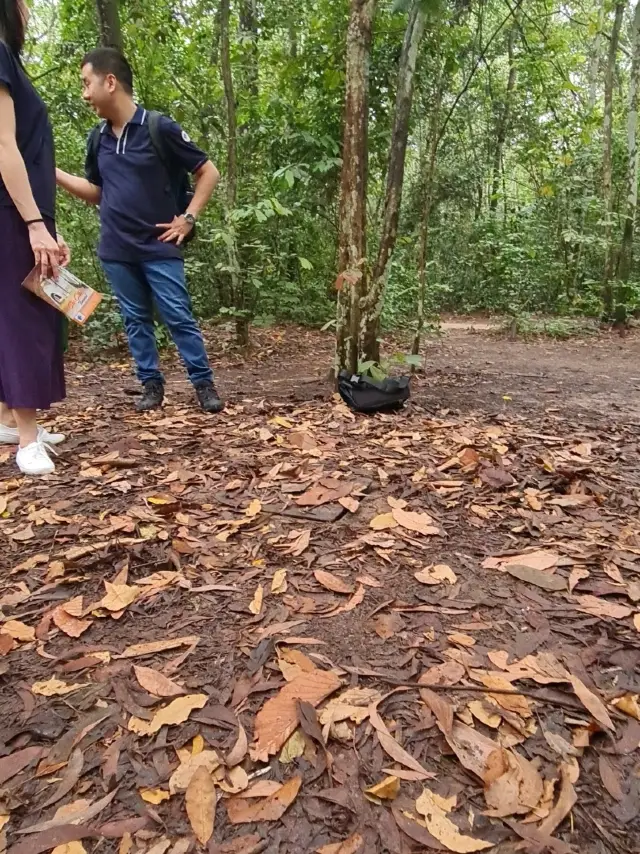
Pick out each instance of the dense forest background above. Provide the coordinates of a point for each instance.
(490, 152)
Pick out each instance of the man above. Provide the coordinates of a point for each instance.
(144, 220)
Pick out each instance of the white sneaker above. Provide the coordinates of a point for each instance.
(34, 460)
(9, 436)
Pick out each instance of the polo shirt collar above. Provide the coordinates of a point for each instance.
(139, 118)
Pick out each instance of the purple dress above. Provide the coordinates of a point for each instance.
(31, 343)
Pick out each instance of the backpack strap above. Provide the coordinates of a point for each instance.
(93, 144)
(158, 141)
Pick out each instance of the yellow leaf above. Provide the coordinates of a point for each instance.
(294, 748)
(183, 775)
(119, 596)
(636, 622)
(387, 789)
(445, 831)
(70, 848)
(279, 583)
(53, 688)
(160, 500)
(197, 746)
(256, 604)
(281, 422)
(175, 713)
(383, 522)
(254, 508)
(629, 705)
(4, 821)
(18, 631)
(154, 796)
(436, 575)
(461, 640)
(201, 805)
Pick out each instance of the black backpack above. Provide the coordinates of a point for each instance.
(364, 394)
(178, 177)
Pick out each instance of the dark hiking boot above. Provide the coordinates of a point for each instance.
(209, 398)
(152, 396)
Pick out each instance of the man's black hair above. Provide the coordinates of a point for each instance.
(12, 26)
(109, 60)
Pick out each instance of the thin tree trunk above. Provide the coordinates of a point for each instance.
(373, 298)
(608, 295)
(238, 296)
(626, 249)
(428, 176)
(109, 23)
(353, 190)
(502, 121)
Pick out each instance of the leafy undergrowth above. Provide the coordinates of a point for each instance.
(291, 629)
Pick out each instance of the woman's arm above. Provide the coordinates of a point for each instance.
(16, 180)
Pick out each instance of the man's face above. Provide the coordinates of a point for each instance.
(98, 90)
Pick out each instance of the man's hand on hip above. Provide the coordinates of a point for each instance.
(176, 231)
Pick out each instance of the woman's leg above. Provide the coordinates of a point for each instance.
(27, 426)
(7, 418)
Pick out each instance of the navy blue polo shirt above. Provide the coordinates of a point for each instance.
(136, 194)
(33, 134)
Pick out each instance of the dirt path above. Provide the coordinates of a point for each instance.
(485, 540)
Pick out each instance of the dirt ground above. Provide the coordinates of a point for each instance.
(307, 603)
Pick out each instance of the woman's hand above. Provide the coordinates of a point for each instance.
(65, 252)
(45, 250)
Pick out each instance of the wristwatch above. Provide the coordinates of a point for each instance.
(189, 217)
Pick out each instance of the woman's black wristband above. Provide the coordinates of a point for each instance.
(29, 222)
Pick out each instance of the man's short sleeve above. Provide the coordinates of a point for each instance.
(91, 170)
(7, 68)
(180, 146)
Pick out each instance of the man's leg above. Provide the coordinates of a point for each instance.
(134, 297)
(167, 282)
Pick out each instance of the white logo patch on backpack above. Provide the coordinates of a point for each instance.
(186, 136)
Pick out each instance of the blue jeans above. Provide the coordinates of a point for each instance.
(137, 287)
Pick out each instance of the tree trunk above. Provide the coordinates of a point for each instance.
(502, 122)
(626, 249)
(608, 295)
(373, 298)
(237, 289)
(109, 23)
(353, 187)
(428, 176)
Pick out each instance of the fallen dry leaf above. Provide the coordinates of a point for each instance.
(332, 582)
(443, 829)
(244, 811)
(18, 631)
(592, 703)
(53, 688)
(279, 583)
(278, 718)
(577, 574)
(154, 796)
(255, 606)
(15, 762)
(565, 803)
(436, 575)
(182, 776)
(420, 523)
(294, 748)
(119, 596)
(387, 789)
(629, 705)
(141, 650)
(67, 623)
(351, 845)
(156, 683)
(602, 608)
(383, 522)
(449, 673)
(200, 799)
(175, 713)
(355, 600)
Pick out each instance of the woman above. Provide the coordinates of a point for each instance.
(31, 352)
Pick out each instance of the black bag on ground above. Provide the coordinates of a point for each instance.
(364, 394)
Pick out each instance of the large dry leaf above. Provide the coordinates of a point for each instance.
(537, 577)
(119, 596)
(436, 574)
(200, 801)
(471, 747)
(449, 673)
(15, 762)
(602, 608)
(565, 803)
(332, 582)
(511, 702)
(239, 750)
(383, 522)
(279, 582)
(140, 650)
(352, 845)
(69, 780)
(278, 718)
(628, 704)
(387, 789)
(540, 560)
(592, 703)
(352, 705)
(182, 776)
(512, 784)
(444, 830)
(156, 683)
(175, 713)
(392, 747)
(421, 523)
(18, 631)
(53, 688)
(244, 811)
(67, 623)
(255, 606)
(79, 812)
(577, 574)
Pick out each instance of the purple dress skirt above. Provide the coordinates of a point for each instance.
(31, 338)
